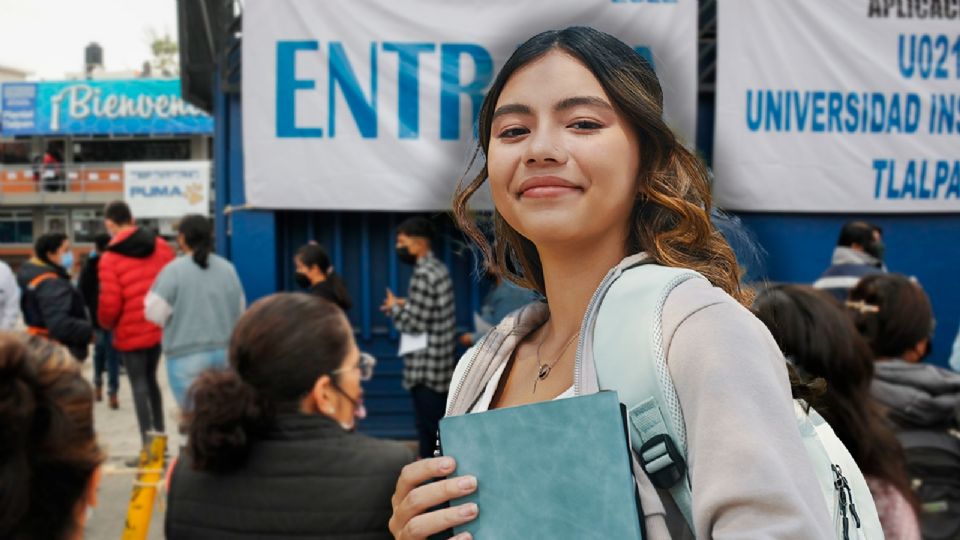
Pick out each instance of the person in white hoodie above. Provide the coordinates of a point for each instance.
(9, 298)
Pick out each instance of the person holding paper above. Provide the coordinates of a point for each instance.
(586, 176)
(426, 320)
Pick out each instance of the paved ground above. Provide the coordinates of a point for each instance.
(117, 432)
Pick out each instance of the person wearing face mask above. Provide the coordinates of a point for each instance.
(428, 309)
(315, 274)
(859, 253)
(51, 306)
(273, 451)
(196, 299)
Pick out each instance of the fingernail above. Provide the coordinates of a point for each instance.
(462, 536)
(466, 483)
(446, 464)
(468, 510)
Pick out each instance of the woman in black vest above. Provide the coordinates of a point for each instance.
(272, 451)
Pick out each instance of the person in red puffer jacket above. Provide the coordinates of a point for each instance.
(132, 261)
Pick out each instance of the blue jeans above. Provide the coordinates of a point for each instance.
(183, 370)
(105, 357)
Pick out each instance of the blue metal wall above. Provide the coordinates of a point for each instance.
(362, 248)
(925, 246)
(261, 245)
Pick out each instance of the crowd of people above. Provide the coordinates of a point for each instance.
(271, 395)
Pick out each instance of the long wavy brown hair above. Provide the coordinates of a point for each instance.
(812, 329)
(48, 446)
(670, 220)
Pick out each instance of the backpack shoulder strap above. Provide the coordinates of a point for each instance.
(630, 359)
(35, 282)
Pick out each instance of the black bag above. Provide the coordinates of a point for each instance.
(933, 463)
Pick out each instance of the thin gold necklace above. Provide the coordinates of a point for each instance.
(543, 370)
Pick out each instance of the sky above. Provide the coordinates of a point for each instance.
(48, 37)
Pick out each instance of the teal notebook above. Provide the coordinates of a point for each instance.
(551, 470)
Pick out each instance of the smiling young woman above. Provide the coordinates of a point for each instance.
(585, 174)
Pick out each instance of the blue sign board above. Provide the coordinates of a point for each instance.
(122, 107)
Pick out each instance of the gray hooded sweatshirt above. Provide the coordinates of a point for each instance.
(917, 395)
(750, 474)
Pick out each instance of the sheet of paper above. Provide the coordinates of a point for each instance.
(411, 343)
(480, 324)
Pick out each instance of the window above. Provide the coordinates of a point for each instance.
(15, 152)
(55, 221)
(142, 149)
(16, 227)
(86, 225)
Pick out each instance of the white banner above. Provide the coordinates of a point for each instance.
(369, 105)
(167, 189)
(838, 106)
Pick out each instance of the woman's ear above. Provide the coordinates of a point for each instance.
(917, 353)
(422, 246)
(320, 399)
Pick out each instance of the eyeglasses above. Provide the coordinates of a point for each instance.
(365, 365)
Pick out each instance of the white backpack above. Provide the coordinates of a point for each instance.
(634, 364)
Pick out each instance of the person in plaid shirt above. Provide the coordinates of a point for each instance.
(429, 309)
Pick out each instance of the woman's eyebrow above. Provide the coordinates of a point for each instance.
(577, 101)
(511, 108)
(562, 105)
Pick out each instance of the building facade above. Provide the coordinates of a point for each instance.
(68, 147)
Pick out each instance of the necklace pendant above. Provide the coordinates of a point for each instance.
(544, 372)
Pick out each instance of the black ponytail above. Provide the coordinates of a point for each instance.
(340, 293)
(198, 235)
(226, 415)
(312, 255)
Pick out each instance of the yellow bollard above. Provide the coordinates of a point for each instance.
(149, 476)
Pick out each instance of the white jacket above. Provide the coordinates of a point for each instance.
(9, 298)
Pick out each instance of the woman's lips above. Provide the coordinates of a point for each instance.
(546, 192)
(542, 187)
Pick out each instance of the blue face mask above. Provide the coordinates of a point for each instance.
(66, 260)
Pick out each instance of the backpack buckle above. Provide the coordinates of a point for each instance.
(662, 462)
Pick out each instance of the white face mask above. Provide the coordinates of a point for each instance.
(359, 412)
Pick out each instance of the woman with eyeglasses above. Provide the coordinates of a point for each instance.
(272, 451)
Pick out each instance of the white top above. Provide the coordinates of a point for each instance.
(9, 298)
